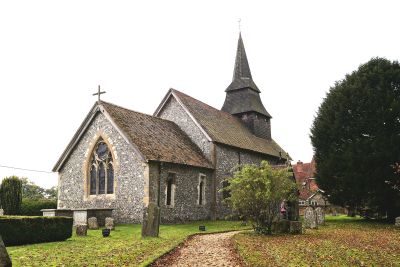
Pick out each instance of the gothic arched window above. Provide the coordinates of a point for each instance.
(101, 170)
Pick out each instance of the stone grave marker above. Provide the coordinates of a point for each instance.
(109, 223)
(320, 216)
(397, 223)
(1, 212)
(5, 260)
(310, 220)
(81, 229)
(92, 223)
(151, 220)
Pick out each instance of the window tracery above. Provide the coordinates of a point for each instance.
(101, 170)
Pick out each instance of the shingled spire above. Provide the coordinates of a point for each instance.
(243, 97)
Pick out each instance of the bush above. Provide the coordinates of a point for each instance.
(31, 207)
(20, 230)
(11, 195)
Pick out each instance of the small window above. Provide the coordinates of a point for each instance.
(170, 190)
(202, 189)
(313, 203)
(302, 202)
(225, 193)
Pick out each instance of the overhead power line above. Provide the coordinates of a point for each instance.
(23, 169)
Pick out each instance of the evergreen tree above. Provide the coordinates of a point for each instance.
(11, 195)
(356, 139)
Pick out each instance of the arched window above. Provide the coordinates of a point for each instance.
(101, 170)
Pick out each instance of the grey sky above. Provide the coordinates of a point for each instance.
(53, 55)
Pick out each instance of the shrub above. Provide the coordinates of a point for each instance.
(20, 230)
(11, 195)
(31, 207)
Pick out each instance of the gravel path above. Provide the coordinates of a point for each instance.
(203, 250)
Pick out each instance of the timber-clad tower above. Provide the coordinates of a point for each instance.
(243, 97)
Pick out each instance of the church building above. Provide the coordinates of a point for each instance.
(177, 158)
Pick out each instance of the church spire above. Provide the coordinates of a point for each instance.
(243, 97)
(241, 74)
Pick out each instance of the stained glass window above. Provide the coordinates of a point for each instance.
(101, 170)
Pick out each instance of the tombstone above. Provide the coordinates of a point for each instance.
(109, 223)
(397, 223)
(319, 212)
(310, 220)
(81, 229)
(151, 220)
(1, 212)
(5, 259)
(295, 227)
(92, 223)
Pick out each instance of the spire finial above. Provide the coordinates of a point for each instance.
(240, 29)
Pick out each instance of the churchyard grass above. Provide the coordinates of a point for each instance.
(124, 247)
(343, 241)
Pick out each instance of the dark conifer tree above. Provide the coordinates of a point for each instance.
(11, 195)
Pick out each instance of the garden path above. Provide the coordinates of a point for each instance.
(204, 250)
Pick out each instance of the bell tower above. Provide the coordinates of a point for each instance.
(243, 97)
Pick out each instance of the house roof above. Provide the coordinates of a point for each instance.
(225, 128)
(304, 174)
(154, 138)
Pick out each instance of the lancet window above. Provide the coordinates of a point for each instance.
(101, 170)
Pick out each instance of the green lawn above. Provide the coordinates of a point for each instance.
(343, 241)
(124, 247)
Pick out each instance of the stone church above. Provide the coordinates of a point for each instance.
(177, 158)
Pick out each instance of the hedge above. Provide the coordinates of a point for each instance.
(20, 230)
(31, 207)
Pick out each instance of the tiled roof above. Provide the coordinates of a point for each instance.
(303, 172)
(226, 129)
(157, 139)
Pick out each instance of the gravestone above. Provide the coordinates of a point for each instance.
(1, 212)
(320, 216)
(151, 220)
(81, 229)
(310, 220)
(5, 260)
(92, 223)
(109, 223)
(397, 223)
(295, 227)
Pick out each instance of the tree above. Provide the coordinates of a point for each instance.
(257, 192)
(31, 190)
(356, 139)
(11, 195)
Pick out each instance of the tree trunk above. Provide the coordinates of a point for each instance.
(351, 212)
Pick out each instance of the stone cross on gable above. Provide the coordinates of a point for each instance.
(99, 93)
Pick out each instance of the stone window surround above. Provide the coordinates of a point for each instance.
(87, 164)
(173, 189)
(202, 178)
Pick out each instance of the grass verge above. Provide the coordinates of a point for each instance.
(343, 241)
(124, 247)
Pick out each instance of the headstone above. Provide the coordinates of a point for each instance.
(5, 260)
(320, 216)
(280, 227)
(109, 223)
(81, 229)
(92, 223)
(151, 220)
(1, 212)
(295, 227)
(310, 220)
(397, 223)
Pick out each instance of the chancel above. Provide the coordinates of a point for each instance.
(176, 160)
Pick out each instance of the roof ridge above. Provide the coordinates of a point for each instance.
(131, 110)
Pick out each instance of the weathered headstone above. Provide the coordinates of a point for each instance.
(320, 216)
(281, 226)
(397, 223)
(295, 227)
(151, 220)
(92, 223)
(109, 223)
(81, 229)
(5, 260)
(1, 212)
(310, 220)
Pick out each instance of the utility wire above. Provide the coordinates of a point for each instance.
(23, 169)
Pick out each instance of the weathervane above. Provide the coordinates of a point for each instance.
(99, 93)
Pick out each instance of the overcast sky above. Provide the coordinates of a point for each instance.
(53, 54)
